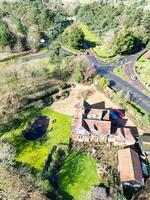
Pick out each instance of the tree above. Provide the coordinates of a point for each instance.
(6, 37)
(101, 82)
(79, 73)
(73, 37)
(55, 55)
(146, 21)
(124, 43)
(33, 37)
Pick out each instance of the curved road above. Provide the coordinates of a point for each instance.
(106, 70)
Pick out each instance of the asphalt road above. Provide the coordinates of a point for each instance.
(106, 70)
(36, 57)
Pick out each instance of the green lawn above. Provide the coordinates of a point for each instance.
(143, 70)
(77, 176)
(34, 153)
(120, 72)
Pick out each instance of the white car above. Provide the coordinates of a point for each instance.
(133, 77)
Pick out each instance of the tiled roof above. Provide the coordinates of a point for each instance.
(76, 122)
(102, 127)
(129, 166)
(125, 133)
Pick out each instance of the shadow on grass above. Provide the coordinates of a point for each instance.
(37, 129)
(22, 118)
(90, 44)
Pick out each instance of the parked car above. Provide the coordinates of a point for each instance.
(113, 115)
(133, 77)
(119, 113)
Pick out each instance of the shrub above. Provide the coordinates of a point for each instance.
(73, 37)
(101, 82)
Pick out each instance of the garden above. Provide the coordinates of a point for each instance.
(34, 153)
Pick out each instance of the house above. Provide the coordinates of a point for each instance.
(95, 124)
(90, 124)
(85, 130)
(144, 143)
(130, 168)
(122, 136)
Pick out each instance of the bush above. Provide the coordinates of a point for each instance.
(101, 82)
(73, 37)
(78, 75)
(6, 37)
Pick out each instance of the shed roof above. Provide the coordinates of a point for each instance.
(129, 166)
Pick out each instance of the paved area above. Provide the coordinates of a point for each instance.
(129, 71)
(106, 70)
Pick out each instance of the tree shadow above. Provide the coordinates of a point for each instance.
(89, 45)
(37, 129)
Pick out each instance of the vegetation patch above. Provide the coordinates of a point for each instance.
(94, 43)
(123, 29)
(143, 71)
(78, 175)
(120, 72)
(34, 153)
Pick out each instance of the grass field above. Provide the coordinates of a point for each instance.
(119, 72)
(34, 153)
(77, 176)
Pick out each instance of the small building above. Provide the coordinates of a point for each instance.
(130, 168)
(144, 143)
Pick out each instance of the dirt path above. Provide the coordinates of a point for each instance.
(66, 106)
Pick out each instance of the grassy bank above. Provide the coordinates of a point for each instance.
(120, 72)
(143, 70)
(94, 43)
